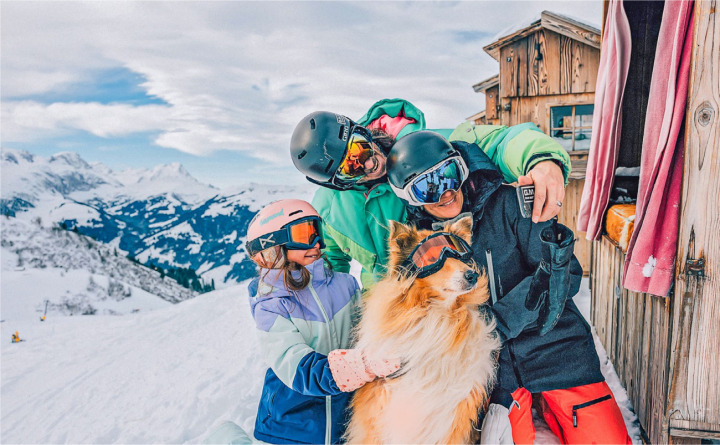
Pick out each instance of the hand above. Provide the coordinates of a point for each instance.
(549, 184)
(496, 428)
(351, 369)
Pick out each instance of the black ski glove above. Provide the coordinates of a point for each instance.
(560, 241)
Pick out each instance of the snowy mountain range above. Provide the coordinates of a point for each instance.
(161, 216)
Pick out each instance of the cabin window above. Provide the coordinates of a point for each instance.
(571, 126)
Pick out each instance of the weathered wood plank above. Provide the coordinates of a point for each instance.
(642, 405)
(655, 424)
(640, 366)
(495, 48)
(566, 60)
(533, 69)
(694, 390)
(521, 49)
(491, 101)
(635, 331)
(681, 427)
(585, 63)
(571, 28)
(550, 50)
(508, 72)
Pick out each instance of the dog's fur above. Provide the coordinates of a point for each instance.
(447, 348)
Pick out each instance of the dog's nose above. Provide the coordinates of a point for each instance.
(471, 276)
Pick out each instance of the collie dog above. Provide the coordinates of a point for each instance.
(445, 344)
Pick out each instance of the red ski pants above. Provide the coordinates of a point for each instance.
(585, 414)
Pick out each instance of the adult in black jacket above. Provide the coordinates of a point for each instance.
(548, 348)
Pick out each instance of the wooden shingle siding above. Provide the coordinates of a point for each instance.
(546, 64)
(634, 328)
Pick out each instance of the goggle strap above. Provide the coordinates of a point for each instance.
(282, 236)
(271, 239)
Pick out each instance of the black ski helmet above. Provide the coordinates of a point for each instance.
(415, 153)
(318, 145)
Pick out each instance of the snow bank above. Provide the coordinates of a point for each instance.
(167, 376)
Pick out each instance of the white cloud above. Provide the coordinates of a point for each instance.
(239, 75)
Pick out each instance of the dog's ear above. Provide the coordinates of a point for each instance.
(461, 228)
(401, 241)
(401, 236)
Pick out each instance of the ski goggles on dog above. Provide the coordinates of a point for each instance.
(429, 186)
(298, 235)
(359, 150)
(429, 256)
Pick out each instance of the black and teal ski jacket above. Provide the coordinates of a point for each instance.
(535, 277)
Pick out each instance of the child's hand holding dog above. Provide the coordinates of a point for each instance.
(351, 369)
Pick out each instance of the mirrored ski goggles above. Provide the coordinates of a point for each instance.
(359, 150)
(429, 186)
(298, 235)
(429, 256)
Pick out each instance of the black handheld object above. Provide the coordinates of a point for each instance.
(526, 197)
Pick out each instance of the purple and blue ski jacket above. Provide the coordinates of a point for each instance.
(300, 401)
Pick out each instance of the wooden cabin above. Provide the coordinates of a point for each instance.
(547, 74)
(666, 349)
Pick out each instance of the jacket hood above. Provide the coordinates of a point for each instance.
(270, 283)
(484, 179)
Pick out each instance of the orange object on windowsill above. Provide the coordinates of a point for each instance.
(619, 224)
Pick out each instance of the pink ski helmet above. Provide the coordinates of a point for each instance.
(265, 234)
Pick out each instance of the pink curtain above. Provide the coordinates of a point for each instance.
(650, 262)
(602, 159)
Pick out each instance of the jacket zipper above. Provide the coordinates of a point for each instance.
(511, 350)
(493, 294)
(585, 405)
(333, 336)
(491, 275)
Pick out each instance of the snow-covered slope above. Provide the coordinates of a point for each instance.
(167, 376)
(75, 275)
(151, 377)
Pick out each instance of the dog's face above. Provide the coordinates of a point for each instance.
(452, 284)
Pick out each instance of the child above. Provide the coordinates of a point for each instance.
(304, 314)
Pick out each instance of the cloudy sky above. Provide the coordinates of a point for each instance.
(219, 86)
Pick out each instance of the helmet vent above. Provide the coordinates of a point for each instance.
(342, 130)
(312, 124)
(295, 212)
(327, 169)
(302, 154)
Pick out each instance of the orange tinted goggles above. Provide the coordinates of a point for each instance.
(305, 232)
(359, 150)
(297, 235)
(429, 256)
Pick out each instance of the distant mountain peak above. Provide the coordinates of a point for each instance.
(170, 171)
(70, 158)
(15, 156)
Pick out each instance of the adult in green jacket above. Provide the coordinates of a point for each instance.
(355, 201)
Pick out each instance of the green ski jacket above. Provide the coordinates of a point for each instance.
(356, 222)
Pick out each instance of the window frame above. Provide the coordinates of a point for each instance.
(572, 129)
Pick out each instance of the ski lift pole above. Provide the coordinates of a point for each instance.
(45, 313)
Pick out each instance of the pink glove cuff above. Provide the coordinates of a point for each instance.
(382, 367)
(348, 369)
